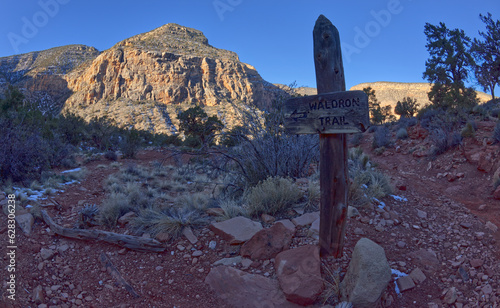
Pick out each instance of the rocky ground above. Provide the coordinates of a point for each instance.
(440, 227)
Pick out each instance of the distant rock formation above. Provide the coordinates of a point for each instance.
(143, 81)
(389, 93)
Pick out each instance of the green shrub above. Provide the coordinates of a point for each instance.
(271, 196)
(195, 122)
(402, 133)
(406, 108)
(129, 146)
(468, 130)
(382, 137)
(111, 155)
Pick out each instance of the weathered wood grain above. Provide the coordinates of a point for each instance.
(333, 147)
(329, 113)
(115, 273)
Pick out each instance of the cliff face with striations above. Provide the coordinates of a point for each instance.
(42, 74)
(145, 80)
(389, 93)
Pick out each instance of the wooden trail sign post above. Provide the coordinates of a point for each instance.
(332, 113)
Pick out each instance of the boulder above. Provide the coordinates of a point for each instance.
(367, 275)
(240, 289)
(299, 274)
(25, 222)
(267, 243)
(236, 230)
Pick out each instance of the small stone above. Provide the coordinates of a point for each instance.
(268, 219)
(288, 224)
(491, 226)
(197, 253)
(487, 289)
(180, 247)
(482, 207)
(450, 295)
(466, 225)
(359, 231)
(229, 261)
(401, 244)
(418, 276)
(476, 263)
(421, 214)
(463, 274)
(305, 219)
(245, 263)
(188, 233)
(405, 283)
(25, 222)
(122, 251)
(55, 287)
(38, 297)
(212, 245)
(47, 254)
(163, 237)
(352, 212)
(379, 228)
(126, 218)
(159, 268)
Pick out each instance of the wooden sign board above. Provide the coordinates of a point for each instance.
(328, 113)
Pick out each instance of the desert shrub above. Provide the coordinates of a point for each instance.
(111, 155)
(355, 139)
(265, 150)
(232, 208)
(130, 143)
(382, 137)
(195, 123)
(366, 182)
(443, 140)
(406, 108)
(169, 220)
(402, 133)
(495, 112)
(468, 130)
(271, 196)
(113, 207)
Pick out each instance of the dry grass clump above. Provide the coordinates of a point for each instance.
(366, 182)
(169, 220)
(271, 196)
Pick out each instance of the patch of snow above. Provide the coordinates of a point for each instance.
(398, 198)
(72, 170)
(398, 274)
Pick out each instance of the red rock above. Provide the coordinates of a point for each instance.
(241, 289)
(268, 219)
(476, 263)
(236, 230)
(267, 243)
(126, 218)
(299, 274)
(405, 283)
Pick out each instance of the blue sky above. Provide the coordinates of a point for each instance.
(383, 40)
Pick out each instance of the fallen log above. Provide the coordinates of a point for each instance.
(131, 242)
(113, 271)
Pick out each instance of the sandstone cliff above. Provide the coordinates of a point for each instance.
(42, 74)
(143, 81)
(389, 93)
